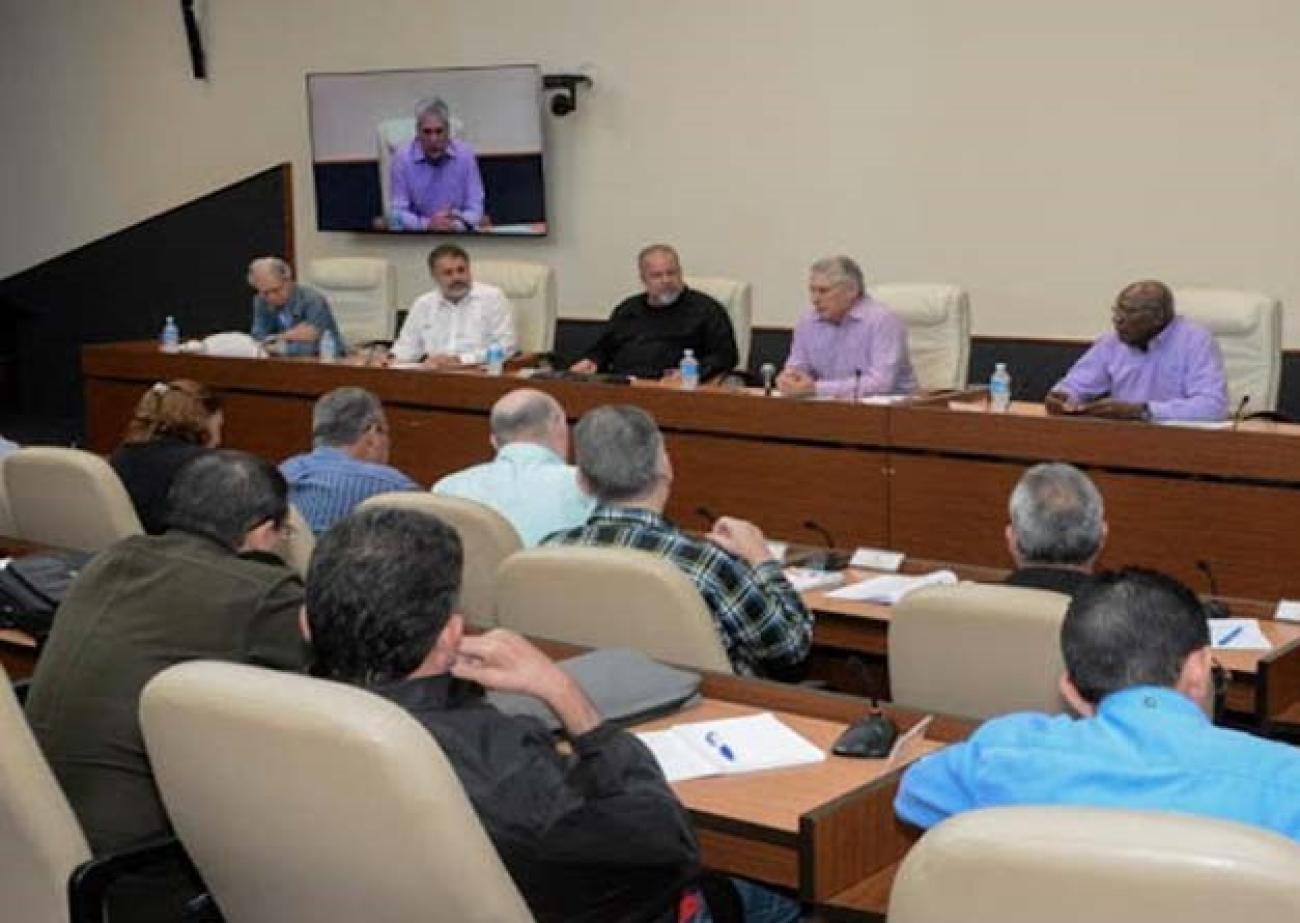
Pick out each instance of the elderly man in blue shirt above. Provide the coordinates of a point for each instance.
(288, 318)
(529, 482)
(1139, 672)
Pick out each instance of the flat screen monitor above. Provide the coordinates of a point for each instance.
(434, 151)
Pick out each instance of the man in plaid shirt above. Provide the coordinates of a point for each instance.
(621, 461)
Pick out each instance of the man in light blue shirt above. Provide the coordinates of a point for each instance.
(529, 482)
(288, 318)
(349, 461)
(1139, 671)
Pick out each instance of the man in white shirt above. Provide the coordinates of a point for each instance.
(454, 324)
(529, 482)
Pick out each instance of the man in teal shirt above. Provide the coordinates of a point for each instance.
(529, 482)
(1139, 672)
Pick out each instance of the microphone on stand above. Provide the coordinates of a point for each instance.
(768, 371)
(857, 385)
(829, 559)
(708, 515)
(1214, 609)
(1241, 407)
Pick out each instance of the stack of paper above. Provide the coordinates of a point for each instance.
(1288, 610)
(1238, 635)
(892, 588)
(804, 579)
(728, 746)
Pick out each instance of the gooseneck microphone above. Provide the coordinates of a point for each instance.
(768, 371)
(813, 526)
(1214, 609)
(707, 514)
(857, 385)
(1236, 414)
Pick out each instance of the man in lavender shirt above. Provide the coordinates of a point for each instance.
(435, 180)
(1155, 365)
(848, 345)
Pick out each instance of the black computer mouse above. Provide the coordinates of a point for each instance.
(872, 736)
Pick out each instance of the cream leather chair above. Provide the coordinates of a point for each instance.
(487, 538)
(7, 525)
(1083, 865)
(938, 330)
(362, 292)
(297, 543)
(301, 799)
(737, 297)
(977, 650)
(531, 290)
(1248, 329)
(609, 597)
(67, 498)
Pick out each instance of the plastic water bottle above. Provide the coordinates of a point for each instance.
(496, 358)
(1000, 388)
(690, 370)
(170, 341)
(329, 347)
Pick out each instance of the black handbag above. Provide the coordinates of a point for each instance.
(33, 586)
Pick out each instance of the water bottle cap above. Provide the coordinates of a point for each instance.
(689, 352)
(1000, 367)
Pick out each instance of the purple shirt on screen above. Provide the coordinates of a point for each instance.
(421, 187)
(870, 339)
(1179, 376)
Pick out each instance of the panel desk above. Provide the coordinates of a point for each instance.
(928, 479)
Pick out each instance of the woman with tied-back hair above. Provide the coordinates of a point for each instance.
(173, 422)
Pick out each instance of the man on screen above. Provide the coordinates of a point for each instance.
(1154, 365)
(435, 181)
(648, 332)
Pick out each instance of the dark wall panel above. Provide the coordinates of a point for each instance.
(188, 262)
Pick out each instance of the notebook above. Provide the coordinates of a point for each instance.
(728, 746)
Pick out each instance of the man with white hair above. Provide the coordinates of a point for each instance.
(435, 180)
(1057, 528)
(287, 317)
(847, 345)
(529, 482)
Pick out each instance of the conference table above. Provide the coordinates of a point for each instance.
(1215, 507)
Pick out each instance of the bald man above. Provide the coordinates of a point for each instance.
(529, 482)
(1154, 365)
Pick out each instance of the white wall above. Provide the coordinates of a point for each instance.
(1039, 152)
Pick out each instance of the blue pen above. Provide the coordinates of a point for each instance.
(713, 740)
(1226, 639)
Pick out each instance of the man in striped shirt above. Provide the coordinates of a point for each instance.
(764, 625)
(349, 460)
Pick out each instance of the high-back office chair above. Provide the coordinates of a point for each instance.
(977, 650)
(46, 872)
(7, 526)
(938, 330)
(1081, 865)
(67, 498)
(531, 290)
(362, 292)
(1248, 329)
(297, 542)
(486, 536)
(609, 597)
(737, 297)
(301, 799)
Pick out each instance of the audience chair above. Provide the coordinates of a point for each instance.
(67, 498)
(8, 528)
(1083, 865)
(297, 542)
(1248, 329)
(362, 292)
(531, 290)
(609, 597)
(487, 537)
(46, 872)
(302, 799)
(737, 297)
(938, 330)
(977, 650)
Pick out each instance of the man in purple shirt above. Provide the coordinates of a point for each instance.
(848, 345)
(1153, 366)
(436, 185)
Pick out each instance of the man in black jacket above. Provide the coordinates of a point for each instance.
(1057, 528)
(596, 835)
(648, 332)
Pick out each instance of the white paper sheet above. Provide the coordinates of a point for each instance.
(1237, 634)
